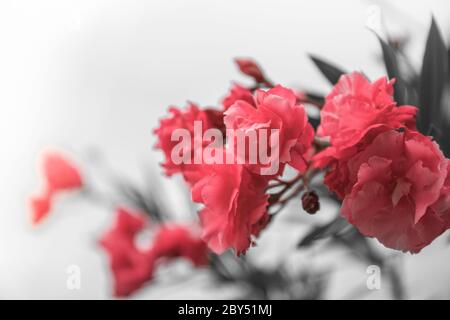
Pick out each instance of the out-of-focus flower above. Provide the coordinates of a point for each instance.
(250, 68)
(237, 93)
(185, 119)
(355, 107)
(175, 241)
(40, 206)
(277, 109)
(235, 206)
(398, 193)
(59, 174)
(130, 265)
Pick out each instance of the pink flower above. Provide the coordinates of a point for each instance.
(237, 93)
(235, 206)
(353, 108)
(250, 68)
(398, 190)
(184, 119)
(276, 108)
(59, 174)
(175, 241)
(131, 266)
(337, 177)
(40, 206)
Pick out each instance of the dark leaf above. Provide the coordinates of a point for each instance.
(444, 142)
(145, 203)
(397, 287)
(315, 98)
(314, 122)
(336, 226)
(448, 65)
(330, 72)
(401, 94)
(432, 80)
(359, 246)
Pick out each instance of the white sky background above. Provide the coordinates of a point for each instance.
(84, 74)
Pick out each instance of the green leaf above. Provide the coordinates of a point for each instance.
(432, 79)
(330, 72)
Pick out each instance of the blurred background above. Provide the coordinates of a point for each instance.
(94, 77)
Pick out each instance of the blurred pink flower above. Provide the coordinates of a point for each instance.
(59, 174)
(176, 240)
(131, 266)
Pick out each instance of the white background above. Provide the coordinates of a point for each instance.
(98, 74)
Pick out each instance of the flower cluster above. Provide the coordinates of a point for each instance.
(234, 195)
(131, 265)
(393, 180)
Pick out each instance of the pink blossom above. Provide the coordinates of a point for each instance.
(184, 119)
(130, 265)
(235, 206)
(277, 109)
(355, 107)
(176, 240)
(59, 174)
(398, 190)
(237, 93)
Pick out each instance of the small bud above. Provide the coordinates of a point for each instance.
(310, 202)
(251, 69)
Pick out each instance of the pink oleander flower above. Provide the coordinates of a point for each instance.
(184, 119)
(237, 93)
(130, 265)
(353, 108)
(40, 206)
(277, 109)
(175, 241)
(337, 177)
(59, 174)
(399, 190)
(235, 206)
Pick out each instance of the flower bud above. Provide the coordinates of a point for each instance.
(310, 202)
(251, 69)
